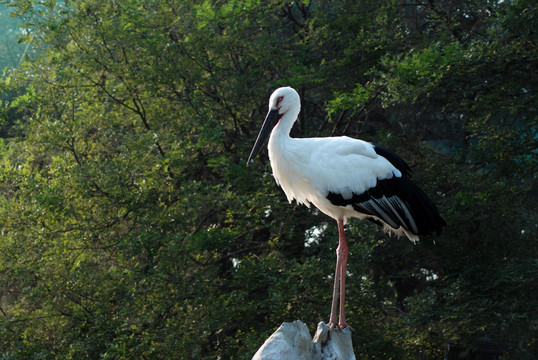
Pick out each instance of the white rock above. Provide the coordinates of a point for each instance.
(292, 341)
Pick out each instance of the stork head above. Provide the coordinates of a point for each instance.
(283, 100)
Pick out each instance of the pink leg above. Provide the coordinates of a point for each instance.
(343, 248)
(339, 280)
(333, 322)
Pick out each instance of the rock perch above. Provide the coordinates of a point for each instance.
(292, 341)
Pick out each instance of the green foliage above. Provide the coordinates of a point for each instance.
(131, 228)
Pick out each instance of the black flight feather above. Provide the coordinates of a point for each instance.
(396, 201)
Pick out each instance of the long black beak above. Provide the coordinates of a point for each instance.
(271, 120)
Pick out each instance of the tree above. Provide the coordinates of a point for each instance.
(131, 227)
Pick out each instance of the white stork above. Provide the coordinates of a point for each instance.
(343, 177)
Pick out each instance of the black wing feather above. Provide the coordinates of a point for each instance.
(398, 202)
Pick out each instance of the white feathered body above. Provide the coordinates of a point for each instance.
(308, 169)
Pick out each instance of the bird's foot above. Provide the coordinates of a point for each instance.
(341, 326)
(344, 326)
(332, 325)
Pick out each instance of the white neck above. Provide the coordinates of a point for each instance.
(283, 128)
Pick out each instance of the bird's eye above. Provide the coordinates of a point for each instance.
(279, 99)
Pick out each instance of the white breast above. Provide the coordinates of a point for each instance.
(287, 161)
